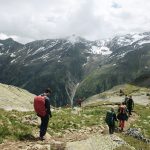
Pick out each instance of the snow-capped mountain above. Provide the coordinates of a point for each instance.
(62, 63)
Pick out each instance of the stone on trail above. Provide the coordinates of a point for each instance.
(96, 142)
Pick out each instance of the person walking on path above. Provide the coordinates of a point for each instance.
(42, 108)
(122, 115)
(125, 100)
(110, 120)
(130, 105)
(79, 102)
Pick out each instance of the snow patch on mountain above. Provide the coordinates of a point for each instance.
(101, 50)
(123, 54)
(12, 55)
(137, 37)
(53, 44)
(129, 39)
(39, 50)
(13, 61)
(144, 42)
(1, 44)
(87, 61)
(123, 41)
(45, 57)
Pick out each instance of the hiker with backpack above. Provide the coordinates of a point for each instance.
(122, 115)
(126, 99)
(42, 108)
(110, 120)
(130, 105)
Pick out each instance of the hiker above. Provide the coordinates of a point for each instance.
(126, 99)
(42, 108)
(79, 102)
(121, 93)
(110, 120)
(122, 115)
(130, 105)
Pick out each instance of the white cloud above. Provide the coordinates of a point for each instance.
(4, 36)
(93, 19)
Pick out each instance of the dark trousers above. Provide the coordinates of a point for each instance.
(111, 129)
(44, 125)
(130, 110)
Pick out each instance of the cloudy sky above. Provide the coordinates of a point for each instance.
(28, 20)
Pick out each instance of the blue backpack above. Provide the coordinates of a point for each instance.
(109, 118)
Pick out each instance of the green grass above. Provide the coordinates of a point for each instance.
(143, 123)
(11, 126)
(129, 89)
(137, 144)
(144, 119)
(65, 119)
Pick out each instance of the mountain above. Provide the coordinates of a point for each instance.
(57, 63)
(64, 63)
(128, 61)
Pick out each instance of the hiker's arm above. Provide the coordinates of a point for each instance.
(47, 105)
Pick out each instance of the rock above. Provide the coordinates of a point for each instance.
(30, 119)
(59, 134)
(48, 136)
(102, 127)
(95, 142)
(67, 131)
(14, 116)
(39, 147)
(58, 145)
(136, 133)
(89, 129)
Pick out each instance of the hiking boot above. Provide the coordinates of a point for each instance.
(41, 138)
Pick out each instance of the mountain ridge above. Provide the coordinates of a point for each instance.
(63, 63)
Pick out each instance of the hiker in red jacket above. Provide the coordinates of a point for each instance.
(122, 115)
(79, 102)
(42, 108)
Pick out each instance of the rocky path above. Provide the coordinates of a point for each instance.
(94, 138)
(102, 141)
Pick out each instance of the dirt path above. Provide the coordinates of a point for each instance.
(131, 119)
(88, 139)
(102, 141)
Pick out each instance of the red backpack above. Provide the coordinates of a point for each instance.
(39, 105)
(122, 109)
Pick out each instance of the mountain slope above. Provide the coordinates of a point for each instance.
(15, 98)
(63, 63)
(123, 70)
(58, 64)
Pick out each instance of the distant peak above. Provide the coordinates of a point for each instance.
(9, 39)
(75, 39)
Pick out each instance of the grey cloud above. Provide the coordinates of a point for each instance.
(37, 19)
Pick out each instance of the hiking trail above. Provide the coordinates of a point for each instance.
(92, 138)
